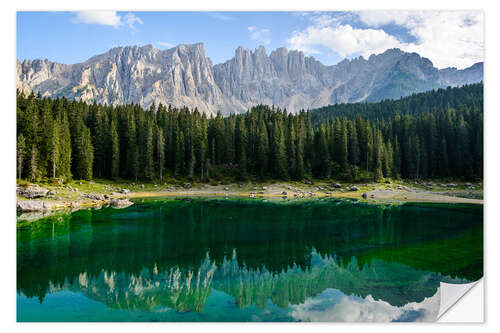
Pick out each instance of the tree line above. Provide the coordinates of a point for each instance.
(60, 138)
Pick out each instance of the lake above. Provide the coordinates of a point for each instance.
(232, 259)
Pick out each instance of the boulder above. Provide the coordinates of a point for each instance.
(121, 203)
(52, 192)
(284, 193)
(354, 188)
(142, 185)
(94, 196)
(226, 188)
(75, 204)
(364, 195)
(125, 191)
(187, 185)
(32, 192)
(337, 185)
(33, 206)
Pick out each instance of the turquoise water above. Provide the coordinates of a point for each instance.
(246, 260)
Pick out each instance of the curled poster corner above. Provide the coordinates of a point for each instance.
(451, 295)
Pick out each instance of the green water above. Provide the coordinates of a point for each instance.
(246, 260)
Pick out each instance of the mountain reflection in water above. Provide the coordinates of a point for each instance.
(311, 261)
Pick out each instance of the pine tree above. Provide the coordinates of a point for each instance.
(262, 150)
(64, 149)
(54, 148)
(378, 156)
(83, 153)
(115, 150)
(33, 164)
(241, 146)
(180, 155)
(160, 149)
(148, 152)
(21, 147)
(132, 150)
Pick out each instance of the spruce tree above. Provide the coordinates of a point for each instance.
(21, 147)
(115, 150)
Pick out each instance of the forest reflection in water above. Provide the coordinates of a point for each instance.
(325, 260)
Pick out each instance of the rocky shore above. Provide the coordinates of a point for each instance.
(43, 199)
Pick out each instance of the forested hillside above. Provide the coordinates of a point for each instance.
(421, 136)
(469, 96)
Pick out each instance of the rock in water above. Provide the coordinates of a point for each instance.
(364, 195)
(33, 206)
(121, 203)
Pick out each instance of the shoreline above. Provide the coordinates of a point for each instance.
(373, 193)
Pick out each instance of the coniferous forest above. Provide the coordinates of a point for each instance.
(436, 134)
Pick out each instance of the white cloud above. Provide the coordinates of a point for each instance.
(130, 20)
(260, 35)
(333, 306)
(447, 38)
(343, 39)
(220, 16)
(165, 44)
(107, 17)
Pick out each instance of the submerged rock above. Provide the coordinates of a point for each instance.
(121, 203)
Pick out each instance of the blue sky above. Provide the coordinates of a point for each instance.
(71, 37)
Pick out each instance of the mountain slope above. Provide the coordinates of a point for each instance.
(184, 76)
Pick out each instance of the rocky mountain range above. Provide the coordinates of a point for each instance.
(185, 76)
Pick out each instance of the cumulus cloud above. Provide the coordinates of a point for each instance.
(333, 306)
(107, 17)
(260, 35)
(448, 38)
(343, 39)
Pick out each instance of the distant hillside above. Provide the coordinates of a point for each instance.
(468, 95)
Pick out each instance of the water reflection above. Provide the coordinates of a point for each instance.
(322, 262)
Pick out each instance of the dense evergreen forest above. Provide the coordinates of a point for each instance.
(470, 96)
(429, 135)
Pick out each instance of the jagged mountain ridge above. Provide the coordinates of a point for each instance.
(185, 76)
